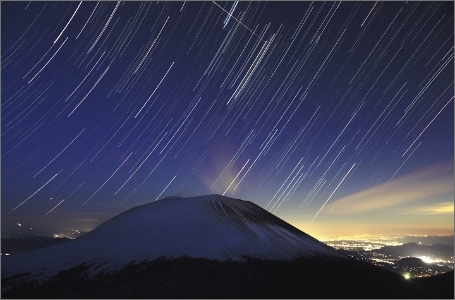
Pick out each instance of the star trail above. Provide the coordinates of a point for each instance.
(332, 115)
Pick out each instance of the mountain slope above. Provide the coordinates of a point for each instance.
(210, 227)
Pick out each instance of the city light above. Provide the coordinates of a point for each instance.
(427, 259)
(368, 248)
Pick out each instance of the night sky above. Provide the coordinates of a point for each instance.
(335, 116)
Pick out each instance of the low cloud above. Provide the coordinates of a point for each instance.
(418, 186)
(436, 209)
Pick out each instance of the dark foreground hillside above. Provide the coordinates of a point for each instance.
(203, 278)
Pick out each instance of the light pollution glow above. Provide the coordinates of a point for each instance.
(416, 203)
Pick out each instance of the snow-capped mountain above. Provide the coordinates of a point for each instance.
(212, 227)
(202, 247)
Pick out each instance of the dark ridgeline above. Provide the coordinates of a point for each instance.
(202, 278)
(318, 271)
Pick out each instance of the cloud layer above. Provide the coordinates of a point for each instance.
(426, 184)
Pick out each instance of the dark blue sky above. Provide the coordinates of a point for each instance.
(335, 116)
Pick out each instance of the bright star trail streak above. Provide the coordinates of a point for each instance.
(35, 192)
(154, 90)
(68, 22)
(88, 74)
(236, 176)
(101, 77)
(178, 129)
(104, 28)
(361, 25)
(150, 48)
(59, 153)
(165, 188)
(107, 180)
(230, 15)
(283, 184)
(332, 193)
(399, 168)
(110, 104)
(427, 126)
(288, 188)
(139, 166)
(54, 207)
(87, 20)
(48, 61)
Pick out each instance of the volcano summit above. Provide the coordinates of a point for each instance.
(208, 246)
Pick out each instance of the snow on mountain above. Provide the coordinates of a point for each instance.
(213, 227)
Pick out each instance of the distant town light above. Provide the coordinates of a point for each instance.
(407, 276)
(426, 259)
